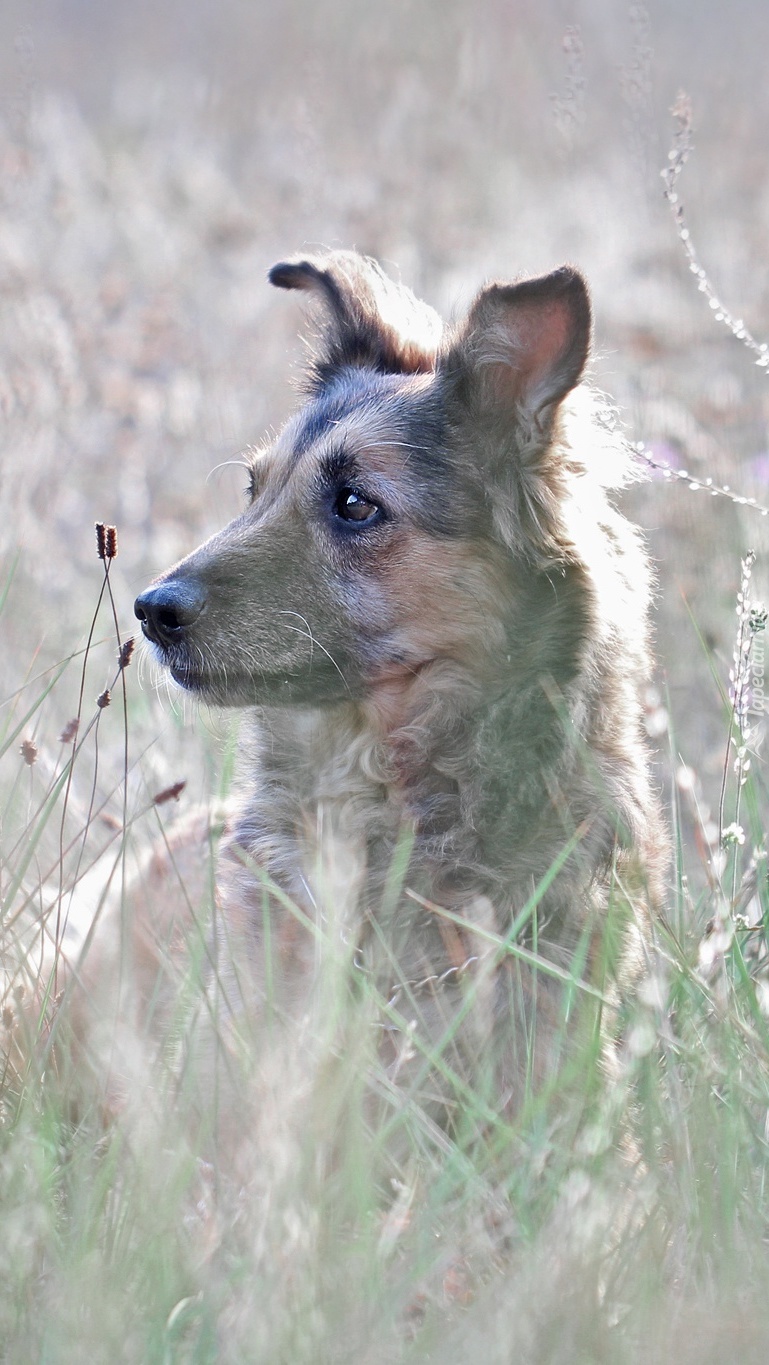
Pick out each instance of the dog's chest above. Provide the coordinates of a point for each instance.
(319, 812)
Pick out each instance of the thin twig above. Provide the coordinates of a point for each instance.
(677, 158)
(696, 484)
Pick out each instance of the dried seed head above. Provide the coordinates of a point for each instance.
(169, 794)
(104, 698)
(126, 650)
(106, 541)
(70, 731)
(28, 751)
(9, 1018)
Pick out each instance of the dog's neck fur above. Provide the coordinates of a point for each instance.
(478, 779)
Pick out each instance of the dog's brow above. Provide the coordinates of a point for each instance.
(319, 416)
(336, 464)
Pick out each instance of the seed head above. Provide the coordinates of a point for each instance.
(169, 794)
(104, 698)
(69, 732)
(126, 650)
(106, 541)
(28, 751)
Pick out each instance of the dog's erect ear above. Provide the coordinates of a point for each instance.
(523, 346)
(367, 320)
(521, 350)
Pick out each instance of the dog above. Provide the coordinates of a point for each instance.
(436, 619)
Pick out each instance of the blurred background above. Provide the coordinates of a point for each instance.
(157, 158)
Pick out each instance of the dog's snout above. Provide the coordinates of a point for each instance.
(167, 610)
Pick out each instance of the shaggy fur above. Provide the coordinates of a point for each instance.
(437, 619)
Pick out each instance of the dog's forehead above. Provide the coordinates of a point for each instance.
(390, 429)
(362, 410)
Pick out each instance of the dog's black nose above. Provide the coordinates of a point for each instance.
(167, 610)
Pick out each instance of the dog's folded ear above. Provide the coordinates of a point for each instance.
(367, 320)
(523, 346)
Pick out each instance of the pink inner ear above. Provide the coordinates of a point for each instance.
(540, 365)
(541, 338)
(532, 339)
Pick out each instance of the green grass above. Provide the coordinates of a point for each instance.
(332, 1218)
(611, 1224)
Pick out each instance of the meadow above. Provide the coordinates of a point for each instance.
(155, 163)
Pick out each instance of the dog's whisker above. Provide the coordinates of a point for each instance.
(224, 464)
(308, 635)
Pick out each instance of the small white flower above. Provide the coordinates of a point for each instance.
(733, 834)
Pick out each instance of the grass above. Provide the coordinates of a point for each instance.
(608, 1223)
(611, 1220)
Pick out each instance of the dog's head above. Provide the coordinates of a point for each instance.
(389, 523)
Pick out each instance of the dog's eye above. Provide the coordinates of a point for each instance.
(353, 506)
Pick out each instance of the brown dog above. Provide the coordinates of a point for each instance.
(438, 621)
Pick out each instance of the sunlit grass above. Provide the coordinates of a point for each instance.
(280, 1198)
